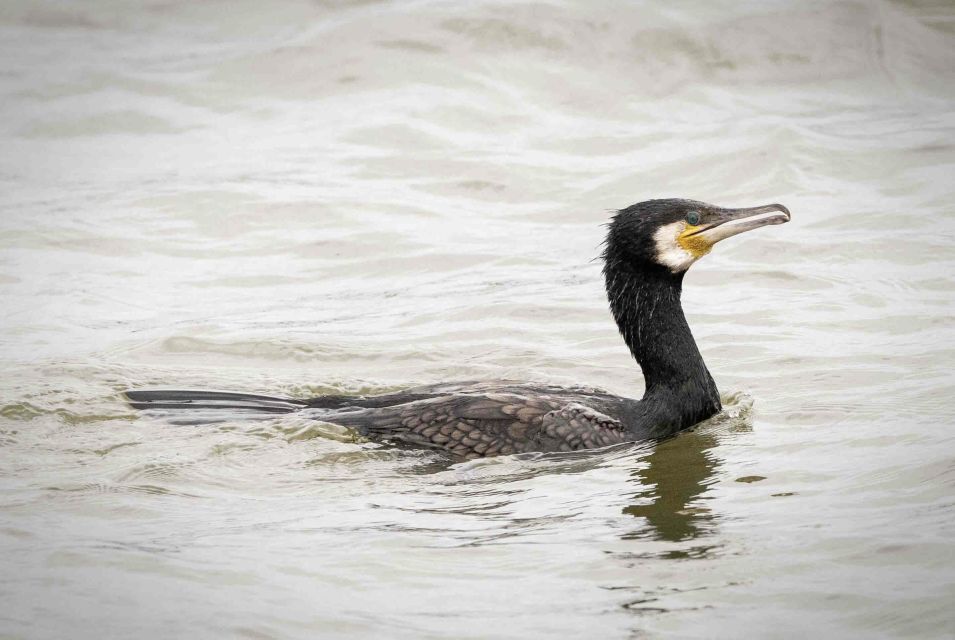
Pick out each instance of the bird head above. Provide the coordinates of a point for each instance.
(674, 233)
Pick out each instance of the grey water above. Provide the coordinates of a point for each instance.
(307, 197)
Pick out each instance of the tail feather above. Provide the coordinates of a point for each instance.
(192, 407)
(171, 399)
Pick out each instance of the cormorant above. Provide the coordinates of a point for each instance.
(649, 247)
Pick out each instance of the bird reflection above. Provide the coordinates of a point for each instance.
(676, 473)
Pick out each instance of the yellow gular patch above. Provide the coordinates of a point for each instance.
(695, 245)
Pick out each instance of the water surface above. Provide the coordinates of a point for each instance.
(300, 198)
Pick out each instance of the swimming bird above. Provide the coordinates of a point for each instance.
(649, 248)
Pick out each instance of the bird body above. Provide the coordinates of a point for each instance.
(649, 247)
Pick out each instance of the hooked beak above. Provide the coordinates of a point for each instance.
(730, 222)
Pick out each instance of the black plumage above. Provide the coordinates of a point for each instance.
(649, 246)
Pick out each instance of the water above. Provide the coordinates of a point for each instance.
(297, 198)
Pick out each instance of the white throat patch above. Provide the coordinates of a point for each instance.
(669, 251)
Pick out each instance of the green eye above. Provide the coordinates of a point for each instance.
(693, 218)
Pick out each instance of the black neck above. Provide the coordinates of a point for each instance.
(645, 301)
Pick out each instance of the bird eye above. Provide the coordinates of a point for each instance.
(693, 218)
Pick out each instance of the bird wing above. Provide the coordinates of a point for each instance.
(502, 386)
(577, 426)
(478, 425)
